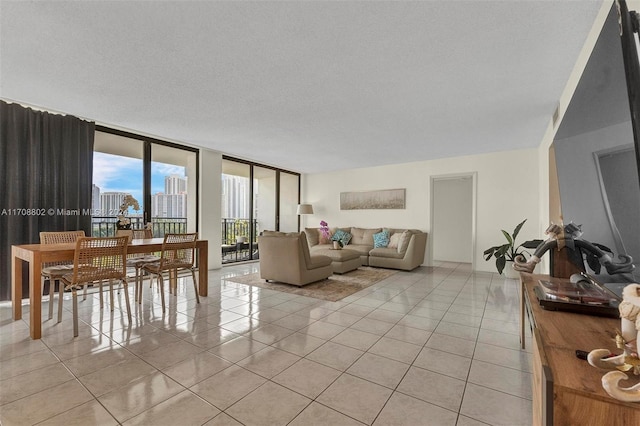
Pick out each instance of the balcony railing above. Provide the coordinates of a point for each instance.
(233, 251)
(106, 226)
(231, 229)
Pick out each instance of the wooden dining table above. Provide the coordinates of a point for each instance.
(37, 254)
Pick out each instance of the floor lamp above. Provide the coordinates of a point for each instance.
(303, 209)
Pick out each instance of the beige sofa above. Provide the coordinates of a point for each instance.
(407, 256)
(286, 258)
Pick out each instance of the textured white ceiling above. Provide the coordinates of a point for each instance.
(306, 86)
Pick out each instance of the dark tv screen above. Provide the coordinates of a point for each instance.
(597, 146)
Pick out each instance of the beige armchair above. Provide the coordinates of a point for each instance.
(285, 258)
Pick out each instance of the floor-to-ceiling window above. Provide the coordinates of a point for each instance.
(161, 176)
(254, 198)
(173, 189)
(118, 171)
(236, 205)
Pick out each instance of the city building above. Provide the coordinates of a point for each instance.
(110, 203)
(235, 196)
(95, 200)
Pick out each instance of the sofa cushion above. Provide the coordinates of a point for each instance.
(280, 234)
(312, 261)
(325, 239)
(342, 236)
(318, 261)
(313, 237)
(363, 235)
(390, 253)
(403, 243)
(381, 239)
(362, 249)
(394, 239)
(318, 247)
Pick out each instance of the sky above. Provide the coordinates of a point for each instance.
(124, 174)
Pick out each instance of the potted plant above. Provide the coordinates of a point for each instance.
(123, 222)
(507, 252)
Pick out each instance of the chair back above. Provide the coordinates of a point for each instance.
(59, 237)
(282, 256)
(178, 251)
(142, 234)
(134, 234)
(98, 259)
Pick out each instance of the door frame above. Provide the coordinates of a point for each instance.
(474, 211)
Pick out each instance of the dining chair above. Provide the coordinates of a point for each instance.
(178, 253)
(142, 234)
(137, 260)
(97, 260)
(52, 271)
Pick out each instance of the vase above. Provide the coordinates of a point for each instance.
(509, 272)
(336, 245)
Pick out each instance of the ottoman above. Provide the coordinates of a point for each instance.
(342, 260)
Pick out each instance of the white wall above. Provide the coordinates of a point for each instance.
(507, 194)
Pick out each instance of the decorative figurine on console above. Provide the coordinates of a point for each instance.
(627, 340)
(123, 222)
(570, 237)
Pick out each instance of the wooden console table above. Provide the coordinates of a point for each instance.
(567, 390)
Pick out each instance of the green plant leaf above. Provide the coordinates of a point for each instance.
(500, 263)
(517, 230)
(532, 244)
(490, 250)
(509, 251)
(507, 236)
(502, 250)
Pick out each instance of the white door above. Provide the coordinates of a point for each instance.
(452, 213)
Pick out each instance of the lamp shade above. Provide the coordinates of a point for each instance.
(305, 209)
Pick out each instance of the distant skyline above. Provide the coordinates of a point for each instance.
(115, 173)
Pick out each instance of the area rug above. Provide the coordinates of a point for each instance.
(334, 288)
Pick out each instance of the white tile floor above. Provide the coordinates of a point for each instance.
(436, 346)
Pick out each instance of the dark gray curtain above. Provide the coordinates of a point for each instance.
(46, 168)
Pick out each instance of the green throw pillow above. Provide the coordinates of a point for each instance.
(381, 239)
(342, 236)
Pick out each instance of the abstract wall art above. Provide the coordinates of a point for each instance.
(380, 199)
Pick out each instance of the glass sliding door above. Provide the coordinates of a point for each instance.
(236, 211)
(173, 190)
(255, 198)
(117, 172)
(289, 184)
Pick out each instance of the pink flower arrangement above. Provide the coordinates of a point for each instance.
(324, 229)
